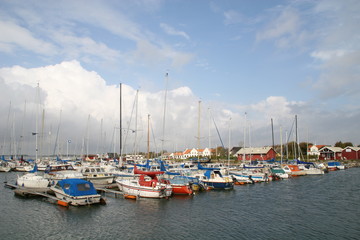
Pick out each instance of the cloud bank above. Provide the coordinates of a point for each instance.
(78, 105)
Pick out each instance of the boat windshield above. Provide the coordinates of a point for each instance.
(83, 187)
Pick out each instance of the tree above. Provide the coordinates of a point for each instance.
(343, 145)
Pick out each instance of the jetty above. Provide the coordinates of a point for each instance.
(31, 192)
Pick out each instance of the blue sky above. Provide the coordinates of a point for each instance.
(270, 59)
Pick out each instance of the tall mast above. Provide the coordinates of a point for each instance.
(229, 142)
(281, 145)
(36, 120)
(244, 158)
(198, 138)
(272, 134)
(120, 124)
(296, 137)
(148, 138)
(163, 130)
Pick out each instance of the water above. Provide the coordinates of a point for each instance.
(309, 207)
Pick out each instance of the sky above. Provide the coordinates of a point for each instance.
(193, 74)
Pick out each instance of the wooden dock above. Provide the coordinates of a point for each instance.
(46, 192)
(31, 192)
(108, 190)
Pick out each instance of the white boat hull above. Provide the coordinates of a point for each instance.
(31, 180)
(77, 201)
(132, 187)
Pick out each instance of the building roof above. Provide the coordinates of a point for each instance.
(257, 150)
(318, 146)
(332, 149)
(353, 148)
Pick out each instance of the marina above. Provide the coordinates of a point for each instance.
(311, 207)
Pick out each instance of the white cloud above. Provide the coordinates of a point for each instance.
(79, 93)
(148, 53)
(171, 31)
(327, 55)
(13, 36)
(232, 17)
(338, 50)
(284, 28)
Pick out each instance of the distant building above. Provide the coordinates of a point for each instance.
(351, 153)
(257, 153)
(330, 153)
(234, 150)
(314, 150)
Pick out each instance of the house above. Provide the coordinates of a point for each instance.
(314, 150)
(176, 155)
(234, 150)
(351, 153)
(257, 153)
(190, 153)
(330, 153)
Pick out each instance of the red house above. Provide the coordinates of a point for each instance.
(351, 153)
(259, 153)
(330, 153)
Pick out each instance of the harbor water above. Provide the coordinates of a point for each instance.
(309, 207)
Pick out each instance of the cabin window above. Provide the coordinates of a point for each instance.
(87, 170)
(92, 170)
(83, 187)
(67, 186)
(98, 170)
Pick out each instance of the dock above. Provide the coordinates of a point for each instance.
(31, 192)
(108, 190)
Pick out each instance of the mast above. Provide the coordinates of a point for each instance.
(36, 121)
(198, 138)
(244, 158)
(148, 138)
(229, 142)
(281, 145)
(165, 96)
(120, 123)
(272, 134)
(296, 137)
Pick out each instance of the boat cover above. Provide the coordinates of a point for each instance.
(77, 187)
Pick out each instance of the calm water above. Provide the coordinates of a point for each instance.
(309, 207)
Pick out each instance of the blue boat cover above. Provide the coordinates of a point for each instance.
(77, 187)
(333, 164)
(301, 162)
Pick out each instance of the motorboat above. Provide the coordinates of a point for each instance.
(213, 179)
(180, 186)
(97, 175)
(76, 192)
(56, 172)
(145, 186)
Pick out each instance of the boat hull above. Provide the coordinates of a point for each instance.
(131, 187)
(79, 200)
(218, 185)
(31, 180)
(181, 189)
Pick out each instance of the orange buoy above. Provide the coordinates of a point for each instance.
(62, 203)
(127, 196)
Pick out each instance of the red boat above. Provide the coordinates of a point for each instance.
(181, 186)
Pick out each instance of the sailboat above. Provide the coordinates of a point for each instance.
(31, 179)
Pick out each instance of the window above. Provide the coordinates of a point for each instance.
(83, 187)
